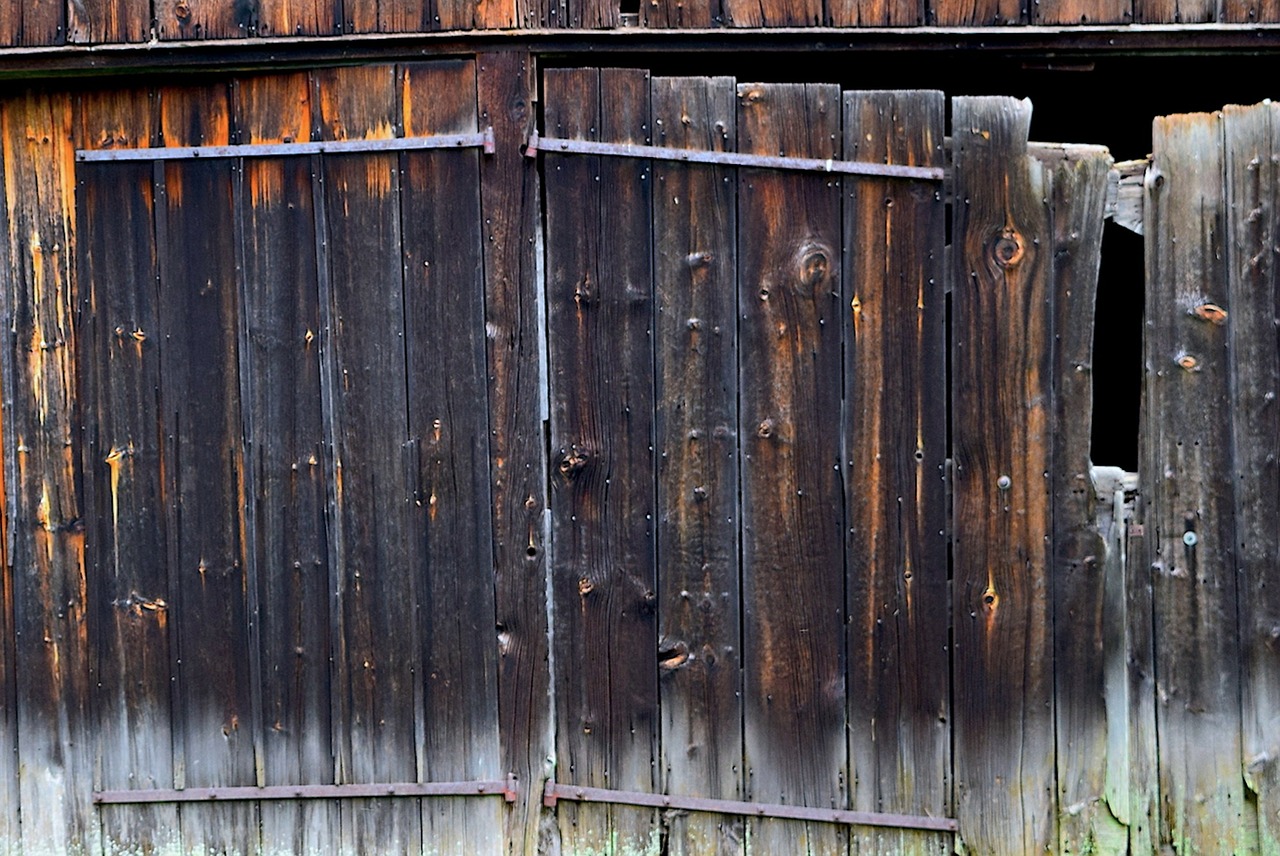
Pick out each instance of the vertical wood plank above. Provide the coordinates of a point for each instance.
(600, 317)
(475, 14)
(1175, 11)
(699, 630)
(204, 468)
(774, 13)
(45, 515)
(191, 20)
(1250, 11)
(298, 18)
(1183, 465)
(285, 440)
(1253, 183)
(98, 22)
(10, 792)
(676, 14)
(448, 419)
(896, 440)
(388, 16)
(32, 23)
(1002, 405)
(977, 13)
(1089, 12)
(510, 206)
(789, 286)
(877, 13)
(379, 681)
(1143, 779)
(124, 489)
(1087, 822)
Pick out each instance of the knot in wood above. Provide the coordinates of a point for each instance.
(573, 462)
(182, 10)
(1211, 312)
(765, 429)
(1007, 250)
(672, 654)
(813, 266)
(585, 586)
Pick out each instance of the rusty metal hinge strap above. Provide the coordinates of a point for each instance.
(556, 145)
(505, 788)
(554, 792)
(482, 140)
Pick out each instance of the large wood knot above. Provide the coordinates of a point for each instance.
(813, 266)
(1007, 249)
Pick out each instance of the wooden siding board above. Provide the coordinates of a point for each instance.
(774, 13)
(44, 513)
(1086, 822)
(1183, 466)
(680, 14)
(1143, 778)
(1253, 184)
(380, 680)
(600, 317)
(896, 442)
(10, 830)
(1084, 12)
(192, 20)
(876, 13)
(977, 13)
(510, 204)
(789, 289)
(282, 18)
(1175, 11)
(389, 16)
(204, 469)
(695, 370)
(284, 438)
(100, 22)
(32, 23)
(1002, 388)
(448, 419)
(124, 493)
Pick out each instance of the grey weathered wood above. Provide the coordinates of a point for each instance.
(1251, 315)
(1086, 820)
(895, 490)
(696, 442)
(1002, 406)
(789, 295)
(1184, 462)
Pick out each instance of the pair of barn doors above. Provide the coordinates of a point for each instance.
(797, 532)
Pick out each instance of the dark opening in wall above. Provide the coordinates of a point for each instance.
(1117, 349)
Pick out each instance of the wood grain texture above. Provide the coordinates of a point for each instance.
(1085, 12)
(876, 13)
(44, 513)
(599, 317)
(204, 469)
(1143, 778)
(279, 18)
(10, 792)
(676, 14)
(510, 205)
(1086, 820)
(1253, 305)
(1190, 515)
(774, 13)
(896, 441)
(448, 420)
(126, 552)
(695, 369)
(99, 22)
(388, 16)
(31, 23)
(789, 291)
(1249, 11)
(1002, 386)
(378, 685)
(1175, 11)
(977, 13)
(284, 437)
(191, 20)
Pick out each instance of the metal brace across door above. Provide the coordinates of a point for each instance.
(554, 792)
(557, 145)
(507, 789)
(481, 139)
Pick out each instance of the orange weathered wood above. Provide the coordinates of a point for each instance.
(1002, 406)
(30, 23)
(190, 20)
(1090, 12)
(101, 22)
(279, 18)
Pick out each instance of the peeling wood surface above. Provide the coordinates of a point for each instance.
(1190, 525)
(1002, 394)
(896, 445)
(1252, 144)
(695, 371)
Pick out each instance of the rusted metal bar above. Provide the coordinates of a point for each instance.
(554, 792)
(627, 150)
(482, 140)
(507, 789)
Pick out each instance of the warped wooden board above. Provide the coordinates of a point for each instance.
(599, 318)
(695, 372)
(895, 493)
(789, 293)
(1253, 303)
(1189, 523)
(510, 205)
(99, 22)
(1002, 302)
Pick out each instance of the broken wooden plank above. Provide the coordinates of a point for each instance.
(1190, 526)
(600, 314)
(204, 468)
(789, 292)
(378, 682)
(98, 22)
(284, 433)
(44, 513)
(895, 494)
(448, 419)
(1253, 305)
(1086, 823)
(696, 384)
(1002, 387)
(124, 495)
